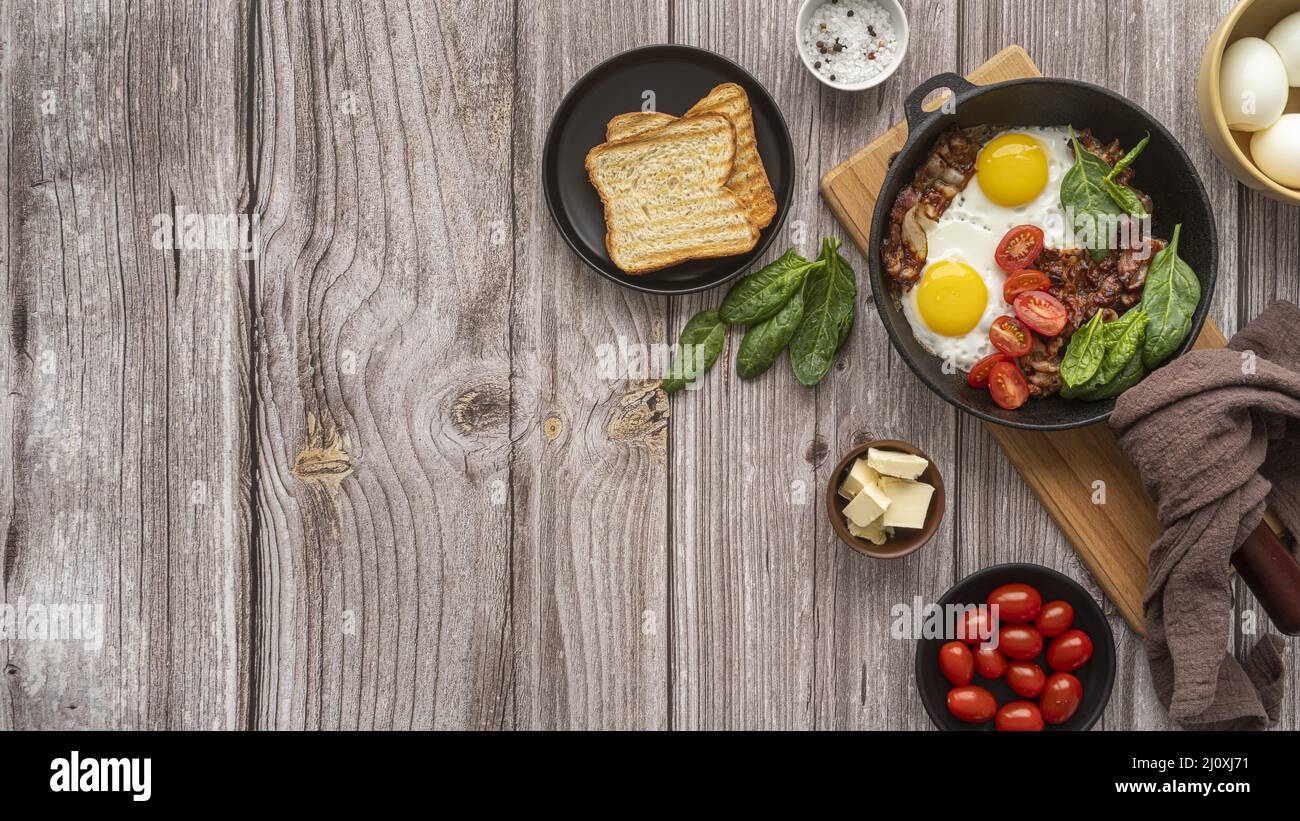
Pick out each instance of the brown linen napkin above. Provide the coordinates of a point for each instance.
(1214, 435)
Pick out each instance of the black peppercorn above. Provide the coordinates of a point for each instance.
(850, 12)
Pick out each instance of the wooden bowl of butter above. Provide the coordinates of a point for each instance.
(885, 499)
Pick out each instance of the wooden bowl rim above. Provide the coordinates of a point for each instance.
(1219, 42)
(897, 547)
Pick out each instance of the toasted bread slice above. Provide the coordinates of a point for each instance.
(665, 195)
(748, 176)
(635, 123)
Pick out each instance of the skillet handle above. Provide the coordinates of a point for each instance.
(1273, 576)
(912, 105)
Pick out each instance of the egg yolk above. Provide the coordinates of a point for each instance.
(951, 297)
(1012, 169)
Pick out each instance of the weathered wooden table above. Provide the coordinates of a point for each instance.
(370, 475)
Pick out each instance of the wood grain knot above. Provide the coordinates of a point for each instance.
(816, 452)
(641, 419)
(481, 408)
(552, 427)
(324, 462)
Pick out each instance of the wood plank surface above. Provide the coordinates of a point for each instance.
(375, 476)
(591, 618)
(124, 395)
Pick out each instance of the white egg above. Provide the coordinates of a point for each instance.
(1276, 150)
(1252, 85)
(972, 245)
(1285, 37)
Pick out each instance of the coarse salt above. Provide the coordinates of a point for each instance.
(850, 41)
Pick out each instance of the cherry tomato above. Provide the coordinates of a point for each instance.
(1019, 248)
(989, 661)
(1041, 311)
(1054, 619)
(1009, 336)
(979, 375)
(976, 626)
(972, 703)
(1007, 385)
(1061, 697)
(1025, 678)
(1019, 716)
(956, 663)
(1069, 651)
(1016, 602)
(1020, 642)
(1026, 280)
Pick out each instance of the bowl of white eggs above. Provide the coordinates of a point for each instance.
(1248, 94)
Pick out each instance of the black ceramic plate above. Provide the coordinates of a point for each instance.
(678, 76)
(1097, 676)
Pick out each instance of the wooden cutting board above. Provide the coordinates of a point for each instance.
(1063, 467)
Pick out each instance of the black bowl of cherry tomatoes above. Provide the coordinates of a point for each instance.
(1051, 668)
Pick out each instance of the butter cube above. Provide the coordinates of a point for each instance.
(867, 506)
(909, 502)
(859, 477)
(874, 532)
(893, 463)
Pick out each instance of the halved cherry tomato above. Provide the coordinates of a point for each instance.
(956, 663)
(1054, 619)
(1007, 385)
(1025, 678)
(1019, 716)
(1009, 336)
(979, 375)
(1020, 642)
(1026, 280)
(1069, 651)
(1019, 248)
(1061, 697)
(976, 626)
(989, 662)
(972, 703)
(1016, 602)
(1041, 311)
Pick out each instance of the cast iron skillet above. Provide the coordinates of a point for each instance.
(1164, 171)
(678, 76)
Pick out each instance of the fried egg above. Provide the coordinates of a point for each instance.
(1017, 182)
(958, 295)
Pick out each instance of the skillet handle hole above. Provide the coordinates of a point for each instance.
(935, 99)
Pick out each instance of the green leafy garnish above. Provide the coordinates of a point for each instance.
(701, 342)
(761, 294)
(1169, 297)
(830, 294)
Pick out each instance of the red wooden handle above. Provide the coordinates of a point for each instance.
(1273, 576)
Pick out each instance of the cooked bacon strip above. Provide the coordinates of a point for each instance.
(947, 169)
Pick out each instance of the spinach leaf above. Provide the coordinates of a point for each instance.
(1084, 353)
(764, 342)
(1122, 341)
(830, 294)
(701, 342)
(762, 293)
(1127, 160)
(1134, 372)
(1169, 297)
(1125, 198)
(1087, 202)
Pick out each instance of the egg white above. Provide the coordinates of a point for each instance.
(969, 231)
